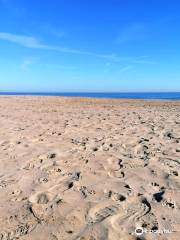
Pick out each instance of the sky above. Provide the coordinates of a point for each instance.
(89, 45)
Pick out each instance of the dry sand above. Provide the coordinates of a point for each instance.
(89, 169)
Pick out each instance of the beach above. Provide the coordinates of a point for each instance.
(89, 169)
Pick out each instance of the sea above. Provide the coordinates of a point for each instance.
(115, 95)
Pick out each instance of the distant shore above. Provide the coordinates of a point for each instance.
(111, 95)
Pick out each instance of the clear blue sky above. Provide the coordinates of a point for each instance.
(89, 45)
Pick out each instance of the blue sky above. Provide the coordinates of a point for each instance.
(97, 45)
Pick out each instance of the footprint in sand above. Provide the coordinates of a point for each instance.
(20, 231)
(113, 167)
(102, 211)
(135, 213)
(170, 163)
(116, 174)
(116, 167)
(18, 225)
(42, 204)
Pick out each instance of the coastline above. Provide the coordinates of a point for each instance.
(91, 99)
(101, 95)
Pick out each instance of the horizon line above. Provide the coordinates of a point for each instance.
(61, 92)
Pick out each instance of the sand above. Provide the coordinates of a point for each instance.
(89, 169)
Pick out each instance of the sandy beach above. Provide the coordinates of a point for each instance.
(89, 169)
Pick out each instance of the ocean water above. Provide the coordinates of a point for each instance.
(120, 95)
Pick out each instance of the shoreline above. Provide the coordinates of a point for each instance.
(94, 99)
(149, 96)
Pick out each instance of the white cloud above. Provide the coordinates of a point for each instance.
(25, 66)
(125, 69)
(145, 62)
(31, 42)
(25, 41)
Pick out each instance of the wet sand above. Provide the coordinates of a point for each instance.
(89, 169)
